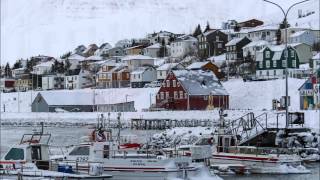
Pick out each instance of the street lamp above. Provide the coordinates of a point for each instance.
(285, 13)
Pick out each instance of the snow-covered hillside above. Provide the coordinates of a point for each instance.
(53, 27)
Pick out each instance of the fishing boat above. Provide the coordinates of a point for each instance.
(30, 158)
(127, 160)
(249, 158)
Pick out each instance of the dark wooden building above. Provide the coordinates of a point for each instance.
(234, 48)
(191, 90)
(250, 23)
(212, 43)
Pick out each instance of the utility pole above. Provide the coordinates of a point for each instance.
(285, 13)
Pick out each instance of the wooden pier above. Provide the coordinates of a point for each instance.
(161, 124)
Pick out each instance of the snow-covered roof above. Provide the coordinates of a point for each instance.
(186, 38)
(296, 34)
(136, 57)
(167, 66)
(154, 46)
(256, 43)
(45, 64)
(197, 65)
(305, 66)
(264, 27)
(218, 60)
(93, 58)
(139, 70)
(133, 47)
(78, 97)
(76, 57)
(209, 32)
(234, 41)
(199, 82)
(277, 55)
(316, 57)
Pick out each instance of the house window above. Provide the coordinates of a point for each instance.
(139, 76)
(161, 95)
(219, 45)
(174, 83)
(267, 64)
(160, 73)
(181, 94)
(167, 95)
(175, 94)
(274, 63)
(274, 72)
(260, 64)
(185, 95)
(178, 84)
(292, 53)
(294, 64)
(267, 54)
(217, 38)
(168, 83)
(284, 63)
(234, 48)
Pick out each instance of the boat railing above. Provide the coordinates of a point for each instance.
(258, 150)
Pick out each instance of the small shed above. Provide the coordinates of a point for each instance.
(78, 101)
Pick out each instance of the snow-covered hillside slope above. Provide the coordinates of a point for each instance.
(53, 27)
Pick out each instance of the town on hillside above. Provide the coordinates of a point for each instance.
(187, 68)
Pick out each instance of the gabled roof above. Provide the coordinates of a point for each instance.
(199, 82)
(296, 34)
(167, 66)
(45, 64)
(136, 57)
(197, 65)
(234, 41)
(256, 43)
(140, 70)
(154, 46)
(76, 57)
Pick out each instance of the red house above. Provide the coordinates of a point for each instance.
(191, 90)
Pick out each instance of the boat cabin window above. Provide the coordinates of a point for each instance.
(80, 151)
(35, 153)
(15, 154)
(205, 141)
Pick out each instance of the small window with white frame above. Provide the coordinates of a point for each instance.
(161, 95)
(167, 95)
(267, 54)
(261, 64)
(181, 94)
(175, 95)
(294, 63)
(274, 63)
(284, 63)
(292, 53)
(267, 64)
(168, 83)
(174, 83)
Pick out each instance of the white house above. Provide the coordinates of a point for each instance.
(78, 79)
(253, 47)
(304, 52)
(306, 37)
(17, 73)
(142, 75)
(162, 71)
(75, 60)
(183, 45)
(159, 37)
(135, 61)
(42, 68)
(264, 32)
(153, 50)
(53, 82)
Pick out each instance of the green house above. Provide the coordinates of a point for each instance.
(272, 61)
